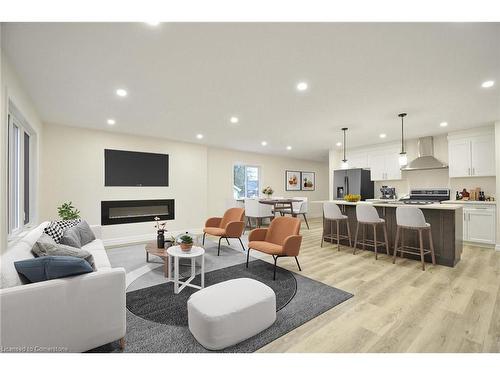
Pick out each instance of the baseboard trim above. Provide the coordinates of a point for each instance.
(497, 247)
(142, 238)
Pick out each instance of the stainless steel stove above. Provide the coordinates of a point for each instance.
(427, 196)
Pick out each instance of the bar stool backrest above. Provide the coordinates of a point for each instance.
(408, 216)
(366, 213)
(331, 211)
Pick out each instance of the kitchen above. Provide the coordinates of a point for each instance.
(438, 170)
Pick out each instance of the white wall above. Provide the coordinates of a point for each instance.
(429, 178)
(497, 166)
(11, 88)
(200, 177)
(220, 177)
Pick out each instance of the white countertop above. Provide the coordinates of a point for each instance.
(386, 203)
(492, 203)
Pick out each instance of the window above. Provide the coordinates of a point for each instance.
(20, 169)
(246, 181)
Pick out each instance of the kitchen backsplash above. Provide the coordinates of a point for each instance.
(437, 178)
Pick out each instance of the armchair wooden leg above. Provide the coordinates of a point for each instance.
(298, 265)
(241, 244)
(218, 248)
(204, 234)
(121, 342)
(305, 219)
(248, 256)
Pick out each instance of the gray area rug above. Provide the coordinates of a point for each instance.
(157, 318)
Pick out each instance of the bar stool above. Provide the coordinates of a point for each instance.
(412, 218)
(368, 215)
(332, 213)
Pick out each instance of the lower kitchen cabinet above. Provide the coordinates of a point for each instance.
(479, 224)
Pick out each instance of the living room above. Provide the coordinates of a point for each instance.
(210, 187)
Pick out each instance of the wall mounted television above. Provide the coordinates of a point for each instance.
(131, 168)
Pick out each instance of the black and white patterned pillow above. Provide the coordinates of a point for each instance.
(54, 231)
(65, 224)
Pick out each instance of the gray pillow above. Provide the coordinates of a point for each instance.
(46, 246)
(48, 268)
(71, 237)
(85, 233)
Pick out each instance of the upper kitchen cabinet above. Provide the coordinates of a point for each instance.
(384, 165)
(471, 155)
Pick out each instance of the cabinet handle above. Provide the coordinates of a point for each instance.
(468, 171)
(473, 171)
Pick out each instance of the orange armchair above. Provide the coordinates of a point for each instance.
(281, 239)
(231, 225)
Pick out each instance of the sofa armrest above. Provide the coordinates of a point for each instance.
(72, 314)
(97, 229)
(213, 222)
(258, 234)
(291, 245)
(235, 229)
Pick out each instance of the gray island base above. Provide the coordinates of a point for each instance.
(445, 220)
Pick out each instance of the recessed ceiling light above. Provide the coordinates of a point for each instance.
(288, 148)
(302, 86)
(234, 120)
(443, 124)
(383, 135)
(121, 92)
(487, 84)
(338, 144)
(199, 136)
(153, 23)
(111, 121)
(263, 143)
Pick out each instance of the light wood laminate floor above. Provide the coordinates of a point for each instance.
(398, 308)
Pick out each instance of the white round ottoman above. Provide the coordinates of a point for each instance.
(227, 313)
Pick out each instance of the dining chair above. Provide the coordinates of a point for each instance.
(299, 208)
(258, 211)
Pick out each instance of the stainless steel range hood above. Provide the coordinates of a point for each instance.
(425, 159)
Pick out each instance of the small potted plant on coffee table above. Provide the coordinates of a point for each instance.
(186, 242)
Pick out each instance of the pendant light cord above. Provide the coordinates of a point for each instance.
(344, 129)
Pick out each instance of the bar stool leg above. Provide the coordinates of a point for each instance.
(375, 239)
(331, 231)
(348, 232)
(395, 246)
(323, 232)
(386, 240)
(356, 238)
(364, 237)
(431, 245)
(402, 242)
(338, 235)
(421, 249)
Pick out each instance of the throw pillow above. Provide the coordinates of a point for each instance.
(65, 224)
(46, 246)
(71, 237)
(51, 267)
(86, 234)
(54, 231)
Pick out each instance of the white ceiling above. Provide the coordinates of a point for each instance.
(189, 78)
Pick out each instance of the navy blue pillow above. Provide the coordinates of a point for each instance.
(51, 267)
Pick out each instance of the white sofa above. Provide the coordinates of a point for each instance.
(71, 314)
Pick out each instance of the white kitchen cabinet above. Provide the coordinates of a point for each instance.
(384, 165)
(358, 160)
(473, 156)
(479, 224)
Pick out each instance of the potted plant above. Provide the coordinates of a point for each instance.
(268, 191)
(186, 242)
(67, 211)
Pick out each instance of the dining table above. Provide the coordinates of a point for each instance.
(279, 204)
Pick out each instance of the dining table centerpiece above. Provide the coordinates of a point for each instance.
(268, 192)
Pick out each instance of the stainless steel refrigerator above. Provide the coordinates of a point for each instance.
(352, 181)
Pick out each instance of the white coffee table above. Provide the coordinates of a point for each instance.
(176, 253)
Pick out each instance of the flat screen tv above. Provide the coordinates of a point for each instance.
(130, 168)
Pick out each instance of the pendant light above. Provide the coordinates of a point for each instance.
(403, 159)
(345, 164)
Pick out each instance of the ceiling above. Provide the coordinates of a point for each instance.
(188, 78)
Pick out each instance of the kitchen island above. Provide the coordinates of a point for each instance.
(445, 219)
